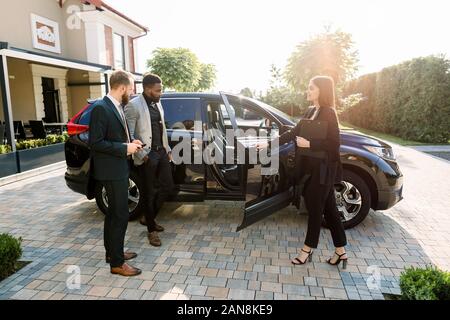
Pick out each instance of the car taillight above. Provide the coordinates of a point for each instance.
(74, 128)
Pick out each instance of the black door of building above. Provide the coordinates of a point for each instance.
(51, 101)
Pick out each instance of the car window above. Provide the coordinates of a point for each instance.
(180, 114)
(249, 118)
(85, 117)
(218, 117)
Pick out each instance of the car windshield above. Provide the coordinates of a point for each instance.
(272, 109)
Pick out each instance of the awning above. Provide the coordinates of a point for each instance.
(54, 61)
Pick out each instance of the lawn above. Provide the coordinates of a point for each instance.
(383, 136)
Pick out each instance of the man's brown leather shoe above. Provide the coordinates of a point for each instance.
(126, 256)
(153, 239)
(126, 270)
(157, 226)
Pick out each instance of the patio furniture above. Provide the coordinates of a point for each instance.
(19, 130)
(38, 129)
(56, 128)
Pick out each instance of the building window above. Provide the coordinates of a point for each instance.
(119, 51)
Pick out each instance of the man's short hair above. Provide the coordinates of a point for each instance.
(150, 79)
(120, 78)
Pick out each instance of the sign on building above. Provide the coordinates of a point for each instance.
(45, 34)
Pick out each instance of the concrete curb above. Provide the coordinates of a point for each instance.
(434, 151)
(442, 148)
(31, 173)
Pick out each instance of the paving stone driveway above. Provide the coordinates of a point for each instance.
(203, 258)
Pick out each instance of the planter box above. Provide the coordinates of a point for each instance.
(39, 157)
(8, 164)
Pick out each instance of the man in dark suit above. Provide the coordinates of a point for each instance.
(111, 148)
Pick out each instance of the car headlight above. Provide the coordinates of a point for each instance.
(385, 153)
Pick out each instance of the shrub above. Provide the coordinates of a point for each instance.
(410, 100)
(10, 252)
(36, 143)
(425, 284)
(5, 149)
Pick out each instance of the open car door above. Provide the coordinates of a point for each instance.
(263, 182)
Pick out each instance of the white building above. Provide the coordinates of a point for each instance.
(56, 54)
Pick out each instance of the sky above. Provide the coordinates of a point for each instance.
(243, 38)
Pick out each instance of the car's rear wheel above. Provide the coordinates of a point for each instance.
(134, 189)
(353, 199)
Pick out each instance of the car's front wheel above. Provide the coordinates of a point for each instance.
(353, 199)
(134, 192)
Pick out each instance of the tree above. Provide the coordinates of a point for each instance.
(207, 77)
(329, 53)
(282, 96)
(246, 92)
(181, 70)
(276, 76)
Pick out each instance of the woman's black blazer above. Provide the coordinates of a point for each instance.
(329, 169)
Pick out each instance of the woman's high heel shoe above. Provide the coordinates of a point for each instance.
(308, 258)
(336, 263)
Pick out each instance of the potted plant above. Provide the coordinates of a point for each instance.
(40, 152)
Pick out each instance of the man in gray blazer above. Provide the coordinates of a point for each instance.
(145, 118)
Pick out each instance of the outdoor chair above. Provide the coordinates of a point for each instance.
(19, 130)
(38, 129)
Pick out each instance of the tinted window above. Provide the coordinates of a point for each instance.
(85, 116)
(181, 113)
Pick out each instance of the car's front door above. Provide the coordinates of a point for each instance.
(253, 176)
(266, 183)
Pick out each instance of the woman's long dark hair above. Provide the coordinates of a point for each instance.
(326, 91)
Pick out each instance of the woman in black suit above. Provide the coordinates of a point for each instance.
(323, 173)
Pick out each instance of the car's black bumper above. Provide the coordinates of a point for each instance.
(76, 183)
(388, 198)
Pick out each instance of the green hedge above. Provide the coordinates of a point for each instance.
(36, 143)
(10, 252)
(410, 100)
(425, 284)
(4, 148)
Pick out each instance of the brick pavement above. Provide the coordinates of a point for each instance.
(202, 257)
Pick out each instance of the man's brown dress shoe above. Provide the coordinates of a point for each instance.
(157, 227)
(153, 239)
(126, 270)
(126, 256)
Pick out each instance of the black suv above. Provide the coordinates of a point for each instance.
(372, 178)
